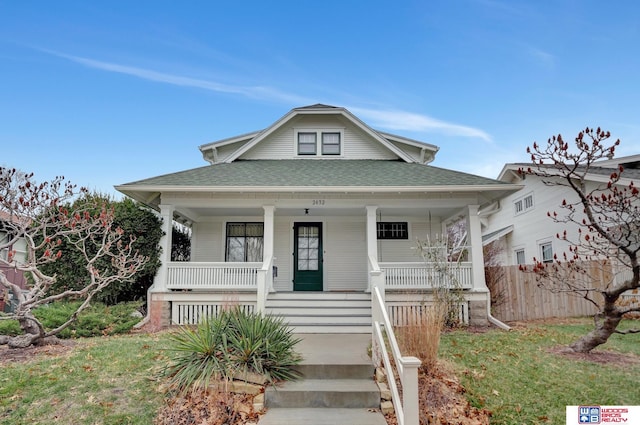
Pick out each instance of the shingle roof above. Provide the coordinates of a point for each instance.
(628, 173)
(316, 173)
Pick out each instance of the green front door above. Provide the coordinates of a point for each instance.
(307, 257)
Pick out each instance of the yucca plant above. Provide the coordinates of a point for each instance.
(263, 345)
(232, 343)
(200, 355)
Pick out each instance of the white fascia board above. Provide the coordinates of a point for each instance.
(499, 234)
(230, 140)
(264, 133)
(377, 136)
(508, 168)
(592, 177)
(321, 189)
(408, 141)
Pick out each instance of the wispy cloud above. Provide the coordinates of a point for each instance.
(389, 119)
(401, 120)
(543, 57)
(259, 92)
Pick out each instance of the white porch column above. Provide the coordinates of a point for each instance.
(372, 240)
(160, 280)
(372, 233)
(475, 241)
(269, 240)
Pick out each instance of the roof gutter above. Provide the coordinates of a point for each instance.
(315, 189)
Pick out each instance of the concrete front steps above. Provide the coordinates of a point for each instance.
(323, 312)
(337, 385)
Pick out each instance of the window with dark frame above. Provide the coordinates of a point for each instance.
(330, 143)
(245, 242)
(392, 230)
(307, 143)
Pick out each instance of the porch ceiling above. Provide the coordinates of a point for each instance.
(200, 213)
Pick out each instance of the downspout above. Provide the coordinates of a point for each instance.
(492, 319)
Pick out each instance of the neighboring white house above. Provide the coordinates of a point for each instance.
(313, 211)
(18, 247)
(519, 221)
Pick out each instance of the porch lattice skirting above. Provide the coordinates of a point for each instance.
(191, 313)
(400, 313)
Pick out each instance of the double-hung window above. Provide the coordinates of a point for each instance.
(307, 144)
(312, 142)
(330, 143)
(245, 242)
(523, 204)
(546, 252)
(519, 254)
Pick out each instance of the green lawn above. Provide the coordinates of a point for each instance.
(107, 380)
(514, 375)
(110, 380)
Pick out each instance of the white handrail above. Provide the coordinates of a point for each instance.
(407, 412)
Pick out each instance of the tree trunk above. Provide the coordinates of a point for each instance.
(24, 341)
(603, 330)
(32, 332)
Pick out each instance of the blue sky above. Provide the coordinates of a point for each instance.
(106, 93)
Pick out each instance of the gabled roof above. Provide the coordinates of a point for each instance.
(317, 109)
(598, 172)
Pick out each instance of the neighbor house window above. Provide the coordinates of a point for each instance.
(546, 252)
(523, 204)
(393, 230)
(330, 143)
(307, 143)
(519, 253)
(245, 242)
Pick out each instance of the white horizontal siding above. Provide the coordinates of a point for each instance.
(207, 242)
(283, 253)
(402, 249)
(345, 260)
(281, 144)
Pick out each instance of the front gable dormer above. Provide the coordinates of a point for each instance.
(318, 132)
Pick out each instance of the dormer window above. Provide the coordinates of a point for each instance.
(307, 144)
(330, 142)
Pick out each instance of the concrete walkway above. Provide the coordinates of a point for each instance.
(334, 349)
(333, 364)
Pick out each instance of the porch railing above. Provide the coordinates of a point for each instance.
(220, 276)
(421, 275)
(407, 409)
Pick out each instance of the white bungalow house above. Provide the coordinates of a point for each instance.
(519, 221)
(304, 217)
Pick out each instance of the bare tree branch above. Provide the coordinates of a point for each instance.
(39, 215)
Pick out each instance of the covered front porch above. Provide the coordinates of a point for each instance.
(338, 243)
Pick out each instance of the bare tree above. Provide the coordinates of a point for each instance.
(606, 219)
(36, 216)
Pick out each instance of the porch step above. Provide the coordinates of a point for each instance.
(334, 393)
(337, 385)
(318, 416)
(322, 312)
(351, 370)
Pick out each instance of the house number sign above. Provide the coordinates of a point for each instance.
(317, 202)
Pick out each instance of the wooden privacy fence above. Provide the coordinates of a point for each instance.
(520, 298)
